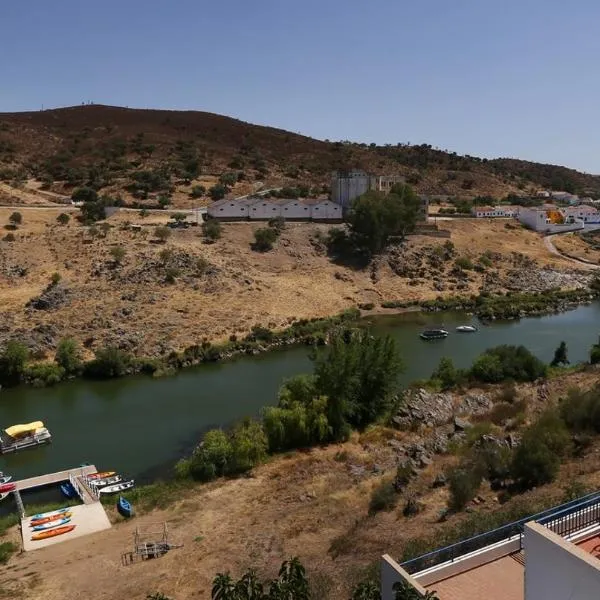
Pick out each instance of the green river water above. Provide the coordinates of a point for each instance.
(140, 426)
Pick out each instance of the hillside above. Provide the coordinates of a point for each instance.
(113, 149)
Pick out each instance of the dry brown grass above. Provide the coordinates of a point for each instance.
(573, 245)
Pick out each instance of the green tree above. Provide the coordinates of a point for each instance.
(68, 356)
(464, 484)
(12, 363)
(264, 238)
(213, 457)
(447, 374)
(164, 200)
(198, 191)
(595, 353)
(217, 192)
(560, 355)
(212, 230)
(249, 446)
(162, 233)
(228, 179)
(15, 219)
(507, 362)
(367, 590)
(63, 218)
(84, 194)
(358, 374)
(93, 211)
(223, 587)
(118, 254)
(179, 217)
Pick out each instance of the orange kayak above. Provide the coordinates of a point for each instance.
(52, 532)
(36, 522)
(102, 475)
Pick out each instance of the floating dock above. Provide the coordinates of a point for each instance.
(54, 478)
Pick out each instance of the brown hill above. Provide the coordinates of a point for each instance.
(169, 151)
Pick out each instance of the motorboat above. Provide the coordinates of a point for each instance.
(5, 479)
(19, 437)
(7, 487)
(119, 487)
(99, 483)
(466, 328)
(52, 532)
(434, 334)
(124, 507)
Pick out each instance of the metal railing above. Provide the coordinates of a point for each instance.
(563, 520)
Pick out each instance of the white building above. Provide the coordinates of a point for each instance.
(495, 211)
(228, 209)
(295, 210)
(565, 197)
(325, 210)
(587, 214)
(554, 555)
(548, 220)
(263, 209)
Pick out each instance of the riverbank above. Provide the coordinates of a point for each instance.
(312, 504)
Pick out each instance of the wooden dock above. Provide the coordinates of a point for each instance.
(54, 478)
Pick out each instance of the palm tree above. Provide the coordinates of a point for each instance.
(294, 584)
(249, 587)
(367, 590)
(223, 587)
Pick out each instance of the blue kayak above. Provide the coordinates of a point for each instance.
(51, 524)
(59, 511)
(68, 490)
(124, 507)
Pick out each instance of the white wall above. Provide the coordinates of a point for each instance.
(233, 209)
(263, 209)
(345, 189)
(390, 573)
(295, 209)
(536, 220)
(325, 210)
(556, 569)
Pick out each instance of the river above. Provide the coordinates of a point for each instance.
(141, 426)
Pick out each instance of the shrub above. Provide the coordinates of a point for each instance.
(463, 484)
(55, 279)
(249, 446)
(447, 374)
(485, 261)
(162, 233)
(217, 192)
(464, 262)
(12, 363)
(144, 213)
(212, 457)
(43, 374)
(277, 223)
(198, 191)
(93, 211)
(84, 194)
(63, 218)
(109, 362)
(383, 497)
(9, 237)
(212, 230)
(264, 238)
(118, 254)
(68, 356)
(537, 459)
(507, 362)
(560, 356)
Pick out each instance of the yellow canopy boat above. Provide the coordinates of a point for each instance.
(17, 431)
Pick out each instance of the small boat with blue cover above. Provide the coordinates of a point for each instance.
(68, 490)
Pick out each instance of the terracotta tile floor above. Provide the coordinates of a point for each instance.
(591, 545)
(502, 579)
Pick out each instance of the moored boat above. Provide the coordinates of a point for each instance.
(19, 437)
(4, 478)
(50, 519)
(434, 334)
(124, 507)
(101, 475)
(119, 487)
(466, 328)
(52, 524)
(58, 511)
(7, 487)
(52, 532)
(68, 490)
(105, 481)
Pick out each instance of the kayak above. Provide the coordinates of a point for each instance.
(7, 487)
(124, 507)
(50, 519)
(102, 475)
(68, 490)
(52, 524)
(52, 532)
(58, 511)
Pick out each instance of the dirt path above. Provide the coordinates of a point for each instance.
(554, 250)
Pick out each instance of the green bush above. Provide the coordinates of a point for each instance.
(12, 363)
(198, 191)
(84, 194)
(383, 497)
(248, 446)
(264, 238)
(63, 218)
(217, 192)
(43, 374)
(109, 362)
(464, 262)
(507, 362)
(68, 356)
(162, 233)
(447, 374)
(464, 483)
(580, 410)
(212, 230)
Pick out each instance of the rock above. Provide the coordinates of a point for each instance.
(513, 440)
(461, 424)
(439, 481)
(53, 297)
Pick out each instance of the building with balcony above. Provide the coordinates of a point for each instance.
(553, 555)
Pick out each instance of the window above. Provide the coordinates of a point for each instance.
(220, 209)
(274, 208)
(285, 208)
(306, 208)
(231, 204)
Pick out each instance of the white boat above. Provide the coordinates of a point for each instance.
(5, 479)
(119, 487)
(105, 481)
(434, 334)
(466, 328)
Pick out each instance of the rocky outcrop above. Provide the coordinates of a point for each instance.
(53, 297)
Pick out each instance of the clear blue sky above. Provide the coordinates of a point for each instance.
(514, 78)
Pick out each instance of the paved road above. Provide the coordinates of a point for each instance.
(554, 250)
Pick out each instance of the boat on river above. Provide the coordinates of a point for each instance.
(119, 487)
(68, 490)
(100, 483)
(5, 479)
(19, 437)
(52, 532)
(434, 334)
(101, 475)
(466, 328)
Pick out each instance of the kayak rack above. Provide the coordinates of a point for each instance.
(148, 544)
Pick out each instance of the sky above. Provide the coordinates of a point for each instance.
(517, 78)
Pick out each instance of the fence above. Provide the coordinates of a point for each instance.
(564, 520)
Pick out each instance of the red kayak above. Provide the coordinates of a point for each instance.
(7, 487)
